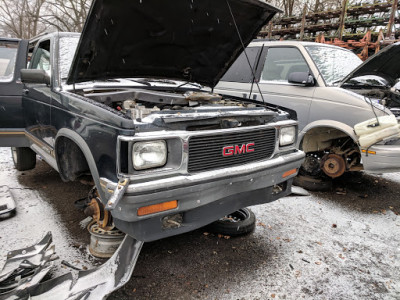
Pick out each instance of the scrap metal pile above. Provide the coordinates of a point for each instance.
(356, 27)
(25, 269)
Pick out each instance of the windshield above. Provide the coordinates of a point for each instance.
(8, 55)
(333, 63)
(67, 51)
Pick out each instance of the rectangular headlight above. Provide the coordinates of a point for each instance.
(287, 135)
(146, 155)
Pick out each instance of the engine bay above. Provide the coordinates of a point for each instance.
(138, 104)
(389, 98)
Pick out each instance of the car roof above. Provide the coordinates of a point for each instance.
(295, 43)
(6, 39)
(50, 34)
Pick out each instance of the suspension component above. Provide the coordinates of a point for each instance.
(95, 209)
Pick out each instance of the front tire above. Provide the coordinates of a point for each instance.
(24, 158)
(316, 184)
(240, 222)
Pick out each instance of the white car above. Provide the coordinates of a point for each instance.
(331, 90)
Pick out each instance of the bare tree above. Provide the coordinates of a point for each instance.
(27, 18)
(323, 5)
(21, 18)
(288, 6)
(291, 7)
(66, 15)
(317, 6)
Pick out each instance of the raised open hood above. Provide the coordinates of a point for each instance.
(385, 64)
(190, 40)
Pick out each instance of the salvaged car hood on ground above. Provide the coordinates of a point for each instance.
(188, 40)
(384, 64)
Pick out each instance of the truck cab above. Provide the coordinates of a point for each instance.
(129, 108)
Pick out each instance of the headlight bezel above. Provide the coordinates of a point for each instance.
(140, 146)
(288, 131)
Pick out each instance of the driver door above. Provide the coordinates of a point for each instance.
(13, 58)
(36, 99)
(277, 65)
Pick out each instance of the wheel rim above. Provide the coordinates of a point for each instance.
(14, 154)
(235, 217)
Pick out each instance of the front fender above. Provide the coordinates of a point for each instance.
(80, 142)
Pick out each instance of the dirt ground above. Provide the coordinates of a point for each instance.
(342, 244)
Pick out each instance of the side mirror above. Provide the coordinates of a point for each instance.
(35, 76)
(303, 78)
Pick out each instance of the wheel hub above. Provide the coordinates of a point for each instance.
(334, 165)
(311, 164)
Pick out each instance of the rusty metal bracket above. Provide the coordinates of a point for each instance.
(7, 203)
(118, 193)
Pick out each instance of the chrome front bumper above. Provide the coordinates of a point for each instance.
(203, 197)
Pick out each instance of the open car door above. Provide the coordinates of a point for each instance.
(13, 58)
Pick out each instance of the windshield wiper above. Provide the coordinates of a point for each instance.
(336, 81)
(187, 83)
(167, 81)
(117, 81)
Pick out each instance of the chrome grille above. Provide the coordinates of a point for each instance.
(206, 152)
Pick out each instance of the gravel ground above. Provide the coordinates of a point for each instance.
(342, 244)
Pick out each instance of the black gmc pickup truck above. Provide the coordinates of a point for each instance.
(124, 102)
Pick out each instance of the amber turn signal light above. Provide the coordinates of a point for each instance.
(369, 152)
(152, 209)
(288, 173)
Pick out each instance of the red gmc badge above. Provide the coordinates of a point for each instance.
(237, 149)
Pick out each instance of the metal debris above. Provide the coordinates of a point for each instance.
(299, 191)
(7, 204)
(24, 269)
(67, 264)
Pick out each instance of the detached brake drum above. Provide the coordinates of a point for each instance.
(333, 165)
